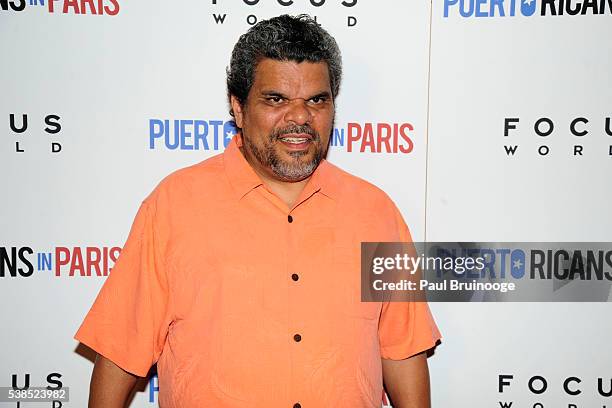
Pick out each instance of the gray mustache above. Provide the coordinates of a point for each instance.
(296, 129)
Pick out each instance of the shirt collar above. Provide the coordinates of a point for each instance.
(243, 178)
(241, 175)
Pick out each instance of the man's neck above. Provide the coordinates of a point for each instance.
(287, 191)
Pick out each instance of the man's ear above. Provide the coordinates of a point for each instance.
(237, 108)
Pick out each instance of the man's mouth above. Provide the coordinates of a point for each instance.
(296, 142)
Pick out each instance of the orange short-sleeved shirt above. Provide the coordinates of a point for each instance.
(244, 302)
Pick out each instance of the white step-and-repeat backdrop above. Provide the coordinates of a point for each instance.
(499, 114)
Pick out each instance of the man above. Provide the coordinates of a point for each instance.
(240, 276)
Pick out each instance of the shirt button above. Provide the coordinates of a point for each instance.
(297, 405)
(290, 219)
(297, 337)
(295, 277)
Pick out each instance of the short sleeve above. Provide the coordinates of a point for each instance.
(405, 328)
(129, 319)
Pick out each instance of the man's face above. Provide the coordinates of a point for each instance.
(287, 118)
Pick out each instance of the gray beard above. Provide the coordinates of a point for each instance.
(285, 170)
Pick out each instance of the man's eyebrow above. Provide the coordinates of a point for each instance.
(322, 94)
(273, 93)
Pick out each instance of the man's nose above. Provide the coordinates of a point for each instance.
(298, 112)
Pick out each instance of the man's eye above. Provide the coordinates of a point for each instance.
(317, 100)
(274, 99)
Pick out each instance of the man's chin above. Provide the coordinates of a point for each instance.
(294, 172)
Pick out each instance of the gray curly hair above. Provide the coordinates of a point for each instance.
(282, 38)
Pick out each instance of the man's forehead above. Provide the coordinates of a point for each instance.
(289, 74)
